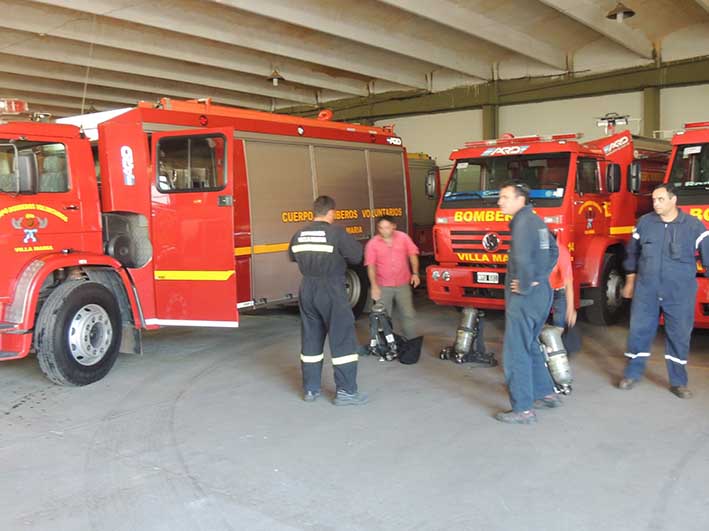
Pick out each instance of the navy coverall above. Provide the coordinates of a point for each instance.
(322, 252)
(663, 255)
(533, 254)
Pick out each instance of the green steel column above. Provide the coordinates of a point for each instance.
(651, 110)
(490, 121)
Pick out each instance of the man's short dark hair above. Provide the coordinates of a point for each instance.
(520, 189)
(322, 205)
(667, 186)
(385, 218)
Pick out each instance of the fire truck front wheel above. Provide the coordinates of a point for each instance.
(608, 305)
(78, 333)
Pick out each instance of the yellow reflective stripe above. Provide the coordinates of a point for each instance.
(194, 275)
(622, 230)
(262, 249)
(345, 359)
(311, 359)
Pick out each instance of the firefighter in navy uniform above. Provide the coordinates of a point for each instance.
(528, 298)
(662, 277)
(322, 251)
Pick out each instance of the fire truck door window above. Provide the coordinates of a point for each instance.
(191, 163)
(32, 167)
(587, 177)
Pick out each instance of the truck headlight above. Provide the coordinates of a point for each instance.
(436, 275)
(446, 276)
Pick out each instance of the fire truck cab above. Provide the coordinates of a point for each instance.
(176, 214)
(689, 172)
(582, 190)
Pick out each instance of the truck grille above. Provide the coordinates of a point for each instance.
(464, 241)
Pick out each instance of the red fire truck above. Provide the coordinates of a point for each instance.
(591, 215)
(689, 172)
(172, 214)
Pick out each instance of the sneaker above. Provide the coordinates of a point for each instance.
(343, 398)
(311, 396)
(681, 391)
(626, 384)
(550, 401)
(517, 417)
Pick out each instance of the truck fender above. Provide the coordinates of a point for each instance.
(594, 257)
(23, 308)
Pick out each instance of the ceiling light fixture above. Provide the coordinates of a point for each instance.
(275, 77)
(620, 12)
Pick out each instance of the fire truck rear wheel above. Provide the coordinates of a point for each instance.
(608, 305)
(78, 333)
(357, 287)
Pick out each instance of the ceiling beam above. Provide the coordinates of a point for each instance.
(517, 91)
(43, 85)
(77, 74)
(704, 4)
(370, 24)
(454, 15)
(220, 23)
(158, 41)
(589, 14)
(24, 16)
(35, 99)
(80, 54)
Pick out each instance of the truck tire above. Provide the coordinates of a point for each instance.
(78, 333)
(357, 286)
(608, 305)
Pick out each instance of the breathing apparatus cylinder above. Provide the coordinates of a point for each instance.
(466, 332)
(556, 358)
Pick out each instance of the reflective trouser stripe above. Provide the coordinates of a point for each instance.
(311, 359)
(676, 360)
(342, 360)
(638, 355)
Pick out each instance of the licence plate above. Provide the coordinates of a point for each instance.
(487, 278)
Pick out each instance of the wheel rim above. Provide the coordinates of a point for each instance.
(353, 286)
(614, 287)
(90, 335)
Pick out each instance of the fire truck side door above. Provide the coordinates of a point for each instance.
(591, 206)
(193, 228)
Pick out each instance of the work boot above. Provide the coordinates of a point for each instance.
(550, 401)
(343, 398)
(626, 384)
(681, 391)
(311, 396)
(517, 417)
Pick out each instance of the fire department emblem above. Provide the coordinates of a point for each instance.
(31, 224)
(491, 242)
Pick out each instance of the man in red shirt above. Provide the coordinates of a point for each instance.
(392, 264)
(562, 282)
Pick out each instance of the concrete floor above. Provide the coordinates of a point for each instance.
(206, 431)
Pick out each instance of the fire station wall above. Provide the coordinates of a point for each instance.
(679, 105)
(438, 134)
(576, 115)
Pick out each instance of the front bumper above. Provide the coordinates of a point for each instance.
(458, 286)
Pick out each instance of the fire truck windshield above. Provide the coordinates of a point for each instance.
(477, 181)
(690, 168)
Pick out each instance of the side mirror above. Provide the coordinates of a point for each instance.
(28, 171)
(634, 180)
(432, 184)
(9, 171)
(613, 178)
